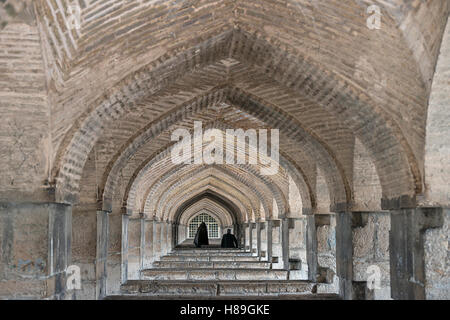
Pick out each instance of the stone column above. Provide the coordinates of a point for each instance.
(297, 247)
(156, 240)
(285, 242)
(60, 236)
(346, 223)
(311, 248)
(250, 237)
(134, 247)
(437, 266)
(263, 241)
(269, 240)
(255, 239)
(407, 251)
(316, 273)
(344, 254)
(371, 254)
(169, 236)
(175, 234)
(36, 240)
(148, 245)
(258, 239)
(243, 231)
(163, 238)
(141, 243)
(101, 253)
(124, 254)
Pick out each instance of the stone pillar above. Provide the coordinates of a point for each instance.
(134, 248)
(35, 241)
(175, 234)
(311, 248)
(277, 249)
(147, 257)
(101, 253)
(326, 253)
(285, 242)
(183, 231)
(243, 233)
(156, 240)
(346, 225)
(163, 238)
(236, 229)
(344, 254)
(169, 236)
(407, 251)
(124, 254)
(297, 247)
(269, 240)
(142, 243)
(437, 266)
(250, 237)
(316, 271)
(258, 239)
(371, 254)
(263, 241)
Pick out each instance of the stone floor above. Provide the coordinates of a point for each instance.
(189, 273)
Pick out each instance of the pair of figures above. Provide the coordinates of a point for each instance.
(201, 238)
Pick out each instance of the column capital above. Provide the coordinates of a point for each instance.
(322, 220)
(103, 212)
(275, 223)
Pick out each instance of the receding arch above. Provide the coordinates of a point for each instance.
(386, 185)
(335, 176)
(146, 168)
(213, 196)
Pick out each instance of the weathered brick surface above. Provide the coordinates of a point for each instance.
(366, 184)
(86, 116)
(24, 120)
(437, 260)
(437, 150)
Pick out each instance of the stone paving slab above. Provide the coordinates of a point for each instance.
(208, 258)
(214, 274)
(219, 288)
(213, 264)
(210, 253)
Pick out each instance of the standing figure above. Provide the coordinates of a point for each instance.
(229, 240)
(201, 238)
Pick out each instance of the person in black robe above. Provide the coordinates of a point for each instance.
(201, 238)
(229, 240)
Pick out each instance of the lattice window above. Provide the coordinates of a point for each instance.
(211, 225)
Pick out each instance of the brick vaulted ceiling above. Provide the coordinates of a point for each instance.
(136, 70)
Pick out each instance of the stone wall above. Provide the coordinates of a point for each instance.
(24, 120)
(35, 244)
(371, 252)
(437, 260)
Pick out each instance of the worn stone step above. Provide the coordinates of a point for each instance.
(213, 264)
(214, 274)
(208, 258)
(210, 253)
(211, 249)
(218, 288)
(317, 296)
